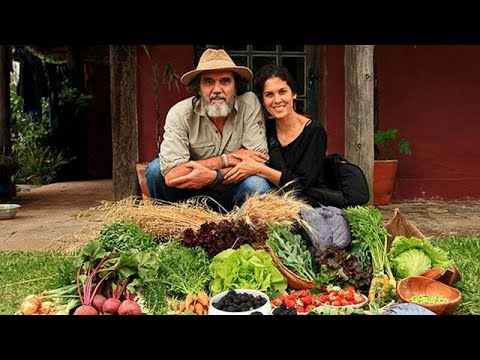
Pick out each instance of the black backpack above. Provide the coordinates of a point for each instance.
(345, 184)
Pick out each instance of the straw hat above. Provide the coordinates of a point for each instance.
(213, 59)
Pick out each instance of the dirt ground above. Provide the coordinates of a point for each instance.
(49, 212)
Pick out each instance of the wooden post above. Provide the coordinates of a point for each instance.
(5, 67)
(359, 108)
(123, 76)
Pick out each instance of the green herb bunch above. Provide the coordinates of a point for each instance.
(125, 235)
(291, 250)
(183, 270)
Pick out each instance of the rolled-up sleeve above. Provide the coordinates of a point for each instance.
(174, 150)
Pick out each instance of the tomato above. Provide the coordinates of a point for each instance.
(290, 303)
(324, 298)
(303, 293)
(307, 300)
(300, 309)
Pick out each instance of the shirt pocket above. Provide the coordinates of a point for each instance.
(202, 151)
(233, 144)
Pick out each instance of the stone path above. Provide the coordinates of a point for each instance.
(439, 218)
(48, 212)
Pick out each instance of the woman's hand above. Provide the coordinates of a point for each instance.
(255, 155)
(247, 166)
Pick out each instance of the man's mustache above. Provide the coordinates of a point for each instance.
(217, 96)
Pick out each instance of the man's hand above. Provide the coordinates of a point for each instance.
(248, 166)
(197, 178)
(255, 155)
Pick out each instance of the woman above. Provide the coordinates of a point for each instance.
(297, 145)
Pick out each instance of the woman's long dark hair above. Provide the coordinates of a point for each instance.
(270, 71)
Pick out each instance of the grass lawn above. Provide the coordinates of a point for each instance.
(24, 273)
(465, 252)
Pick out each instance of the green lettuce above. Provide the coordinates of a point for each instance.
(407, 262)
(411, 263)
(246, 268)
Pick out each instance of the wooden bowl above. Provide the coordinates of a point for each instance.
(419, 285)
(447, 276)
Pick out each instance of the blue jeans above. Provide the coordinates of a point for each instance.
(228, 197)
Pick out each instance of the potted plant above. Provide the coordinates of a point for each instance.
(387, 148)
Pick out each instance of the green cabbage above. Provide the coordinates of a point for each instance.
(411, 263)
(404, 265)
(246, 268)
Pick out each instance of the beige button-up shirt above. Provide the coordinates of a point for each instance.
(191, 135)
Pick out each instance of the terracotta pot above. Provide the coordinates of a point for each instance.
(141, 168)
(384, 173)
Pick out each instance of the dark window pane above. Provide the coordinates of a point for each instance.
(296, 66)
(300, 106)
(235, 47)
(259, 61)
(264, 47)
(300, 48)
(240, 60)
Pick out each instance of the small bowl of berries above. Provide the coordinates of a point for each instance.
(240, 302)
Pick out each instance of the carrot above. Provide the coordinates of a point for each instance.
(203, 298)
(182, 306)
(191, 307)
(189, 301)
(198, 309)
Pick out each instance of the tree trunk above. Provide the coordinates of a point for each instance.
(5, 67)
(123, 74)
(359, 111)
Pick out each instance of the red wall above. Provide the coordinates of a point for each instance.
(181, 57)
(431, 94)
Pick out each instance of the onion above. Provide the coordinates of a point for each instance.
(30, 305)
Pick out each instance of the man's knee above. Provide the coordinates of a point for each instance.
(154, 179)
(256, 184)
(153, 171)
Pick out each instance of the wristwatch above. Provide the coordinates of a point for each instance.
(219, 178)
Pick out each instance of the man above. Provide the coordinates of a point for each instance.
(204, 132)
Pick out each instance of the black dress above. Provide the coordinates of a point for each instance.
(300, 161)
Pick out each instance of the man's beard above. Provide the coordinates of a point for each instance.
(218, 110)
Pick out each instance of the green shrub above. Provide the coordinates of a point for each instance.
(38, 162)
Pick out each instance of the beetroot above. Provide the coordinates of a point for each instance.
(98, 301)
(111, 305)
(85, 310)
(129, 307)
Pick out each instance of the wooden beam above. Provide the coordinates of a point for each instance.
(123, 75)
(359, 111)
(5, 67)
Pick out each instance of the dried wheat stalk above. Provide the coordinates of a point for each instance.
(280, 209)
